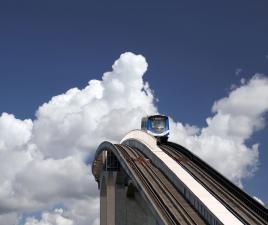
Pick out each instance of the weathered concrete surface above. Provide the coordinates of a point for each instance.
(120, 203)
(138, 212)
(103, 201)
(110, 201)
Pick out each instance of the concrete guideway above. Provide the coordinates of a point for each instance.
(177, 173)
(163, 203)
(232, 197)
(163, 186)
(174, 208)
(130, 204)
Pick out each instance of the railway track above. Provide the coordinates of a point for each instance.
(217, 185)
(174, 208)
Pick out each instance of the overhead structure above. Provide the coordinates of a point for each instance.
(142, 182)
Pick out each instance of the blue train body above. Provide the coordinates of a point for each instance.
(156, 125)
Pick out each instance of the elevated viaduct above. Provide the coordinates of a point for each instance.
(141, 182)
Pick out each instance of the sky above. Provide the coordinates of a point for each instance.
(187, 59)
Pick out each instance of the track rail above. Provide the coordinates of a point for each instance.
(174, 208)
(233, 198)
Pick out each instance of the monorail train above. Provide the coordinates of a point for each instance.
(156, 125)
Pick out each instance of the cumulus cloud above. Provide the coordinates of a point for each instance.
(9, 219)
(14, 132)
(53, 180)
(78, 120)
(54, 218)
(235, 119)
(42, 162)
(238, 71)
(84, 211)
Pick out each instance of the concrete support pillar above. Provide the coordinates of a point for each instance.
(107, 198)
(111, 178)
(103, 201)
(137, 211)
(121, 204)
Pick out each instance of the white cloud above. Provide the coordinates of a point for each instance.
(42, 161)
(54, 218)
(84, 211)
(238, 71)
(79, 120)
(14, 132)
(222, 142)
(9, 219)
(51, 180)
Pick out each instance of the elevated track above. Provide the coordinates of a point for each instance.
(174, 208)
(177, 186)
(232, 197)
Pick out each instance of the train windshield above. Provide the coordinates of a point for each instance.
(158, 123)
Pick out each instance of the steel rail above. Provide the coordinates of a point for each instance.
(177, 200)
(159, 210)
(207, 182)
(179, 210)
(206, 176)
(154, 195)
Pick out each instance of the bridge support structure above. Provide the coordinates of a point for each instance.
(141, 182)
(120, 201)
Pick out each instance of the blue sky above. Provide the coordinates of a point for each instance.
(193, 49)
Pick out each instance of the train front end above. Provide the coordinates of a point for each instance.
(156, 125)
